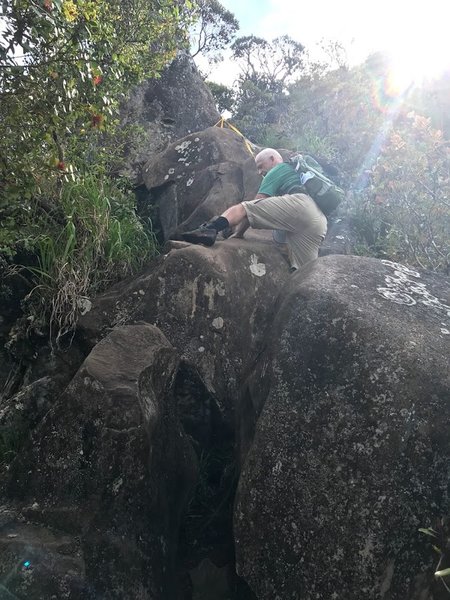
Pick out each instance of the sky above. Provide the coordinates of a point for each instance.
(415, 33)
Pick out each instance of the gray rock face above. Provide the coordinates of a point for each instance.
(340, 238)
(198, 177)
(331, 386)
(350, 452)
(214, 304)
(168, 108)
(108, 471)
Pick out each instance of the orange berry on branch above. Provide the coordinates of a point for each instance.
(96, 120)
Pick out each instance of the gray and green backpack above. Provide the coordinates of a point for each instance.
(326, 194)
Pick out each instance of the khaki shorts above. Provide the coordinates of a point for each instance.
(298, 215)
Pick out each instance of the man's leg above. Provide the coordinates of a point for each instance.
(297, 215)
(234, 215)
(206, 234)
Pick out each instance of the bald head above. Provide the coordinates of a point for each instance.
(267, 159)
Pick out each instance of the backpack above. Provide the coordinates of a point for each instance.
(326, 194)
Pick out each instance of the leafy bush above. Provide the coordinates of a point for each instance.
(65, 66)
(91, 241)
(405, 211)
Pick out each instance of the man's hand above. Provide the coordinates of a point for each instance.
(241, 229)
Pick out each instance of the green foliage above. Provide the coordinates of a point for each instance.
(393, 162)
(270, 64)
(223, 96)
(407, 202)
(266, 69)
(258, 110)
(65, 66)
(337, 112)
(214, 29)
(95, 240)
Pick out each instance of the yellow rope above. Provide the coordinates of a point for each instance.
(222, 122)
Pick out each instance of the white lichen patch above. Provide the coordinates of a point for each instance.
(276, 470)
(211, 289)
(218, 323)
(117, 485)
(257, 268)
(183, 146)
(84, 305)
(367, 552)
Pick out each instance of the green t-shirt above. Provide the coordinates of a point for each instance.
(280, 180)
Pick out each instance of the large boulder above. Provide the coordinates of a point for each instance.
(95, 499)
(350, 408)
(167, 108)
(198, 177)
(213, 304)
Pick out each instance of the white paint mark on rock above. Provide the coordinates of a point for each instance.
(396, 296)
(257, 268)
(402, 289)
(217, 323)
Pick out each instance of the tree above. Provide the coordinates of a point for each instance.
(223, 96)
(266, 69)
(64, 66)
(214, 29)
(269, 64)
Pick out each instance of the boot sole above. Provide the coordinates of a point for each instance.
(198, 239)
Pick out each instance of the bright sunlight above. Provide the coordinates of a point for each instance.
(419, 44)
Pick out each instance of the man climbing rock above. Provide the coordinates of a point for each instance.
(279, 204)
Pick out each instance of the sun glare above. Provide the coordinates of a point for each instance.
(419, 48)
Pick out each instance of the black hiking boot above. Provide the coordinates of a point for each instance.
(201, 235)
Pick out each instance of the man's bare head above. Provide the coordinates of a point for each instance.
(267, 159)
